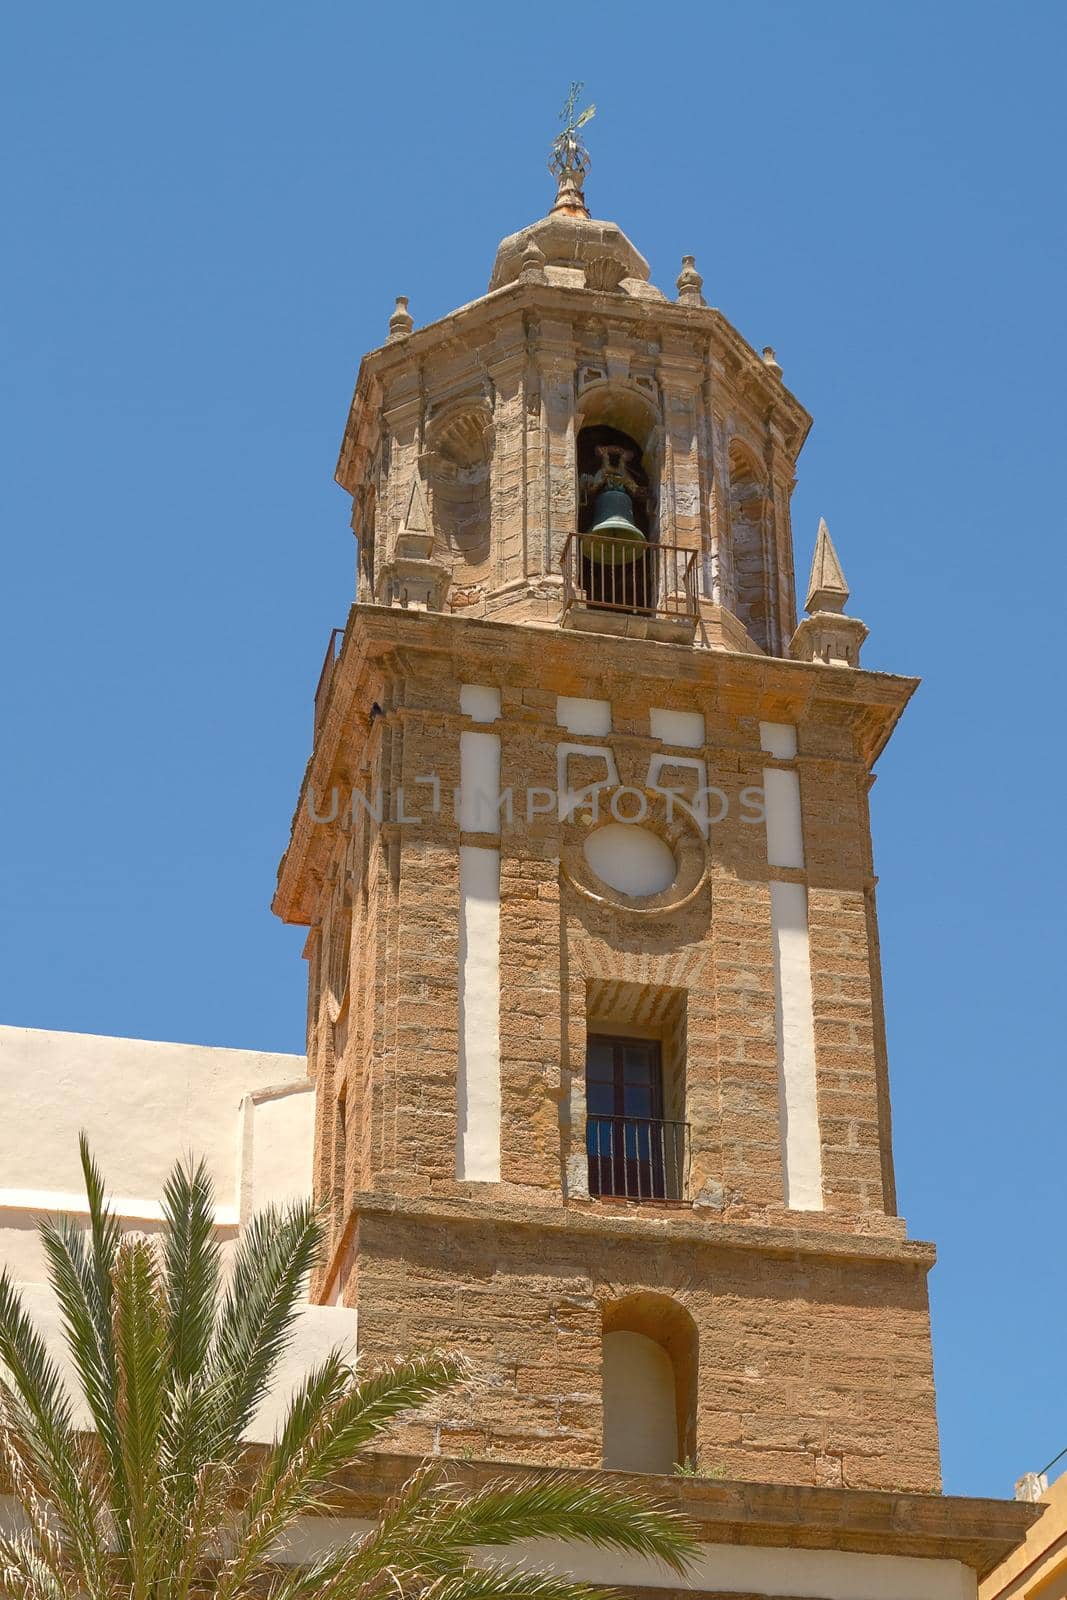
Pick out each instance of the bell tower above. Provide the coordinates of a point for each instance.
(583, 851)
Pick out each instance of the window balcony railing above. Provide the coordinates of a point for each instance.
(637, 1158)
(602, 573)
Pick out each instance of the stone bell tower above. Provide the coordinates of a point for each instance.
(583, 849)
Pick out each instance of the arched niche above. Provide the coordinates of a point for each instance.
(748, 516)
(649, 1366)
(459, 446)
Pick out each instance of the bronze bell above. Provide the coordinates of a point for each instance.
(613, 516)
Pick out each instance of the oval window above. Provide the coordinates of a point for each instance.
(630, 859)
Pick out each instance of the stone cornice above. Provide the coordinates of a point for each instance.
(704, 324)
(676, 1226)
(978, 1533)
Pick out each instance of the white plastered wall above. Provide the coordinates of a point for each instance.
(144, 1105)
(716, 1568)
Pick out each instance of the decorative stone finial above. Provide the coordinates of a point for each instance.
(771, 362)
(532, 269)
(569, 162)
(826, 635)
(827, 589)
(411, 577)
(690, 283)
(401, 322)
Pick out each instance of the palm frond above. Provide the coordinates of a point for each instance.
(373, 1403)
(256, 1322)
(341, 1575)
(318, 1394)
(47, 1531)
(512, 1583)
(588, 1510)
(24, 1575)
(37, 1409)
(32, 1371)
(56, 1475)
(195, 1531)
(74, 1283)
(142, 1351)
(163, 1501)
(191, 1265)
(329, 1423)
(105, 1235)
(96, 1267)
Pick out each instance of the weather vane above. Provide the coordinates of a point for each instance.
(569, 154)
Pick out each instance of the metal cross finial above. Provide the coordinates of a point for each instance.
(569, 161)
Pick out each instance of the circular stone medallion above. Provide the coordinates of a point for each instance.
(630, 859)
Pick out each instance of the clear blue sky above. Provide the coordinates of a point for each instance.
(208, 210)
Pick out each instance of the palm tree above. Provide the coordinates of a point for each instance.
(164, 1499)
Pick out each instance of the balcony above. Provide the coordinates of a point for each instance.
(613, 585)
(637, 1158)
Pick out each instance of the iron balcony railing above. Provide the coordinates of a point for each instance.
(637, 1158)
(604, 573)
(326, 675)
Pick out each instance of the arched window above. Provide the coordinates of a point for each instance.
(748, 513)
(649, 1375)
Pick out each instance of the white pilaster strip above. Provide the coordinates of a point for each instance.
(781, 797)
(479, 762)
(479, 783)
(797, 1092)
(478, 1080)
(785, 834)
(478, 1066)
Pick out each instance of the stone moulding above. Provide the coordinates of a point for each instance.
(792, 420)
(977, 1533)
(689, 1226)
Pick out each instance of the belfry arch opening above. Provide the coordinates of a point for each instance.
(650, 1350)
(612, 413)
(618, 570)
